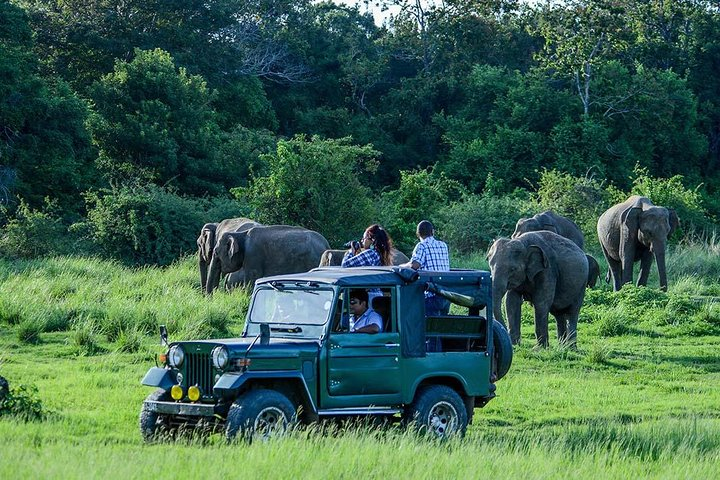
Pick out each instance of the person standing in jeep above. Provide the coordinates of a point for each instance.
(431, 254)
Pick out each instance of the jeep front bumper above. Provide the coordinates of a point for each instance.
(176, 408)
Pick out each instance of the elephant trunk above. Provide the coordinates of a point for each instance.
(213, 275)
(659, 252)
(499, 290)
(202, 264)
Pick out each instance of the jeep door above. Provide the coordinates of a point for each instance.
(363, 369)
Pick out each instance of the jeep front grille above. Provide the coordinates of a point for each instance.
(200, 372)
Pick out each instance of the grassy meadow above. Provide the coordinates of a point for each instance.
(639, 398)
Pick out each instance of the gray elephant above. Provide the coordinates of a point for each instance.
(207, 238)
(636, 230)
(333, 258)
(551, 222)
(263, 251)
(547, 270)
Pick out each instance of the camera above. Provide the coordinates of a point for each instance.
(354, 244)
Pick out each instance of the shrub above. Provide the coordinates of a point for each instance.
(672, 193)
(129, 340)
(29, 330)
(472, 224)
(419, 197)
(598, 354)
(33, 233)
(84, 340)
(142, 225)
(581, 199)
(22, 402)
(316, 184)
(613, 322)
(10, 313)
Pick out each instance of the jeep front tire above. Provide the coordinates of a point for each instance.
(259, 414)
(439, 411)
(150, 421)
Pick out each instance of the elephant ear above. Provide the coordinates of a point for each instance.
(495, 245)
(674, 221)
(629, 224)
(236, 244)
(537, 261)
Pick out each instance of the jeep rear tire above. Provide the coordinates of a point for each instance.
(259, 414)
(150, 422)
(439, 411)
(502, 357)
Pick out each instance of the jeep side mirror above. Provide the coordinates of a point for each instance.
(163, 335)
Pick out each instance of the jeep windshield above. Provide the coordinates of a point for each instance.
(290, 310)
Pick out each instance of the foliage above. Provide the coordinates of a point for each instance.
(45, 149)
(22, 402)
(154, 123)
(315, 183)
(34, 233)
(420, 196)
(672, 193)
(142, 225)
(473, 223)
(582, 199)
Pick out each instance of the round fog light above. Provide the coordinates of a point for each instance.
(194, 393)
(176, 392)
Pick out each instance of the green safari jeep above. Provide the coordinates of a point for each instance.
(296, 359)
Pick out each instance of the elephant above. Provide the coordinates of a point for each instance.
(263, 251)
(333, 258)
(206, 241)
(546, 269)
(552, 222)
(633, 230)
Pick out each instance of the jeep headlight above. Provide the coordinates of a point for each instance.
(176, 355)
(220, 357)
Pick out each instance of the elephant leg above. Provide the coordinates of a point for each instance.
(615, 270)
(645, 263)
(235, 279)
(513, 306)
(541, 325)
(562, 327)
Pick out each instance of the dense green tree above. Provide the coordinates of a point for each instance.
(45, 150)
(154, 123)
(317, 184)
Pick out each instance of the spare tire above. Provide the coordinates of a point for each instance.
(503, 351)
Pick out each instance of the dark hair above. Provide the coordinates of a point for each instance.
(360, 293)
(425, 229)
(382, 243)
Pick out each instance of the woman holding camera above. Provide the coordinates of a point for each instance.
(374, 249)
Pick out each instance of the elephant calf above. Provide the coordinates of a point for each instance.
(547, 270)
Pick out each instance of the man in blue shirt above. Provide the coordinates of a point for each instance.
(363, 318)
(431, 254)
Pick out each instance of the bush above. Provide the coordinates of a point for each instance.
(581, 199)
(33, 233)
(142, 225)
(671, 193)
(129, 340)
(29, 330)
(472, 224)
(22, 402)
(84, 339)
(613, 322)
(316, 184)
(420, 196)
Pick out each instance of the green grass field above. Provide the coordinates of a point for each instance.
(639, 398)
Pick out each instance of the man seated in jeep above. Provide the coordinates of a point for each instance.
(363, 318)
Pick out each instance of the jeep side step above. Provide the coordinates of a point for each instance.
(359, 411)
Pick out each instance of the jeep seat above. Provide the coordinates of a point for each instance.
(382, 306)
